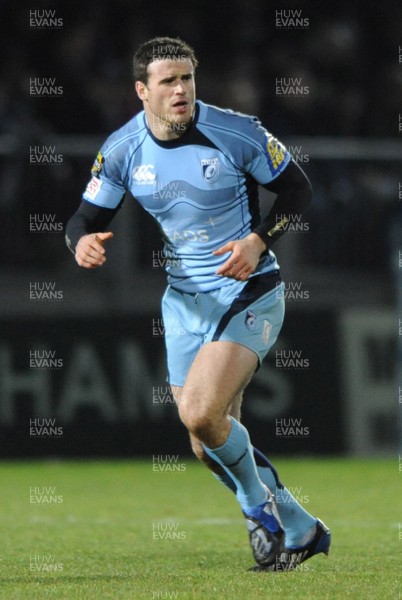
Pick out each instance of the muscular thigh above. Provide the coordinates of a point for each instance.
(217, 377)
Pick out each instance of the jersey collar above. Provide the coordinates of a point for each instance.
(184, 139)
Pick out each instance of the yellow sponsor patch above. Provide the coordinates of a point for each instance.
(98, 164)
(276, 152)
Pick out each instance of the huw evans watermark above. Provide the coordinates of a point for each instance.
(44, 291)
(44, 223)
(44, 359)
(168, 52)
(164, 595)
(172, 327)
(283, 498)
(45, 87)
(44, 19)
(291, 87)
(44, 156)
(291, 19)
(167, 531)
(162, 259)
(292, 223)
(291, 428)
(292, 290)
(167, 463)
(162, 394)
(291, 359)
(44, 495)
(44, 563)
(44, 428)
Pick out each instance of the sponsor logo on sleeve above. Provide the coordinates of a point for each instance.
(93, 188)
(98, 164)
(276, 153)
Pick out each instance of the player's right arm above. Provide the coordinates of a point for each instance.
(86, 231)
(86, 235)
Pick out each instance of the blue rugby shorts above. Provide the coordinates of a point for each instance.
(249, 313)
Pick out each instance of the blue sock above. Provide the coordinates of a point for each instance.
(298, 524)
(237, 457)
(226, 479)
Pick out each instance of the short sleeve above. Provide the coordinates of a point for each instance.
(267, 157)
(105, 188)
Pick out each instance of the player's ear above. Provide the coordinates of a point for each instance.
(142, 90)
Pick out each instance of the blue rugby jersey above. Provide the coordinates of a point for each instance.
(201, 188)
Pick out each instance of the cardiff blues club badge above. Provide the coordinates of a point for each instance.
(210, 169)
(250, 320)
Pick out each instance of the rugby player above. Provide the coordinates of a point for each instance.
(221, 310)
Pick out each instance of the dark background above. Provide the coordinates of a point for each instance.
(344, 132)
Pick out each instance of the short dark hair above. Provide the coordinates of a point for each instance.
(160, 48)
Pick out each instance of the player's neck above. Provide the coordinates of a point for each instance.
(164, 130)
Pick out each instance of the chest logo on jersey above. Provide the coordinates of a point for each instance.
(144, 174)
(210, 169)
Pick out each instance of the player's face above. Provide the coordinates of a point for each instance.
(168, 97)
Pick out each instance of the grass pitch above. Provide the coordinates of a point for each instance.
(122, 530)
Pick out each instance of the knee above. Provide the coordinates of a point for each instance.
(198, 450)
(198, 422)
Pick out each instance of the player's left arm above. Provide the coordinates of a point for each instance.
(294, 192)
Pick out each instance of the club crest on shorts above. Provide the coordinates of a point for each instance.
(266, 332)
(250, 320)
(210, 169)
